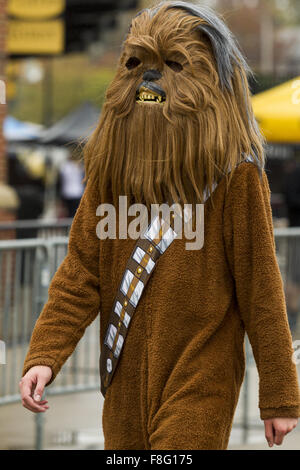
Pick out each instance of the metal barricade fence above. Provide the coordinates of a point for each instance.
(40, 228)
(26, 268)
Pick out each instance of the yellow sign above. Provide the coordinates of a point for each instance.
(12, 72)
(35, 37)
(12, 68)
(39, 9)
(10, 89)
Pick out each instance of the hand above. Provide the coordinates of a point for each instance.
(277, 428)
(32, 388)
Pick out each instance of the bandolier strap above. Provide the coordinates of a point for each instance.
(140, 266)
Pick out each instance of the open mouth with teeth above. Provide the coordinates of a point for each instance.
(146, 94)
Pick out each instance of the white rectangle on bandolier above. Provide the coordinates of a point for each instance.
(166, 240)
(133, 296)
(110, 336)
(118, 310)
(139, 255)
(119, 345)
(153, 234)
(153, 231)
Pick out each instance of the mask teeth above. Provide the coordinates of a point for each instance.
(149, 96)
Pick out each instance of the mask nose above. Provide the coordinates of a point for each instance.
(152, 75)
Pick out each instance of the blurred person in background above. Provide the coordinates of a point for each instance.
(31, 208)
(292, 193)
(30, 190)
(71, 184)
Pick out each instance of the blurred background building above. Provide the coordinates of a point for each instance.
(8, 197)
(57, 58)
(64, 55)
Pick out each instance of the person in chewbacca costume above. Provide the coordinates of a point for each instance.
(177, 126)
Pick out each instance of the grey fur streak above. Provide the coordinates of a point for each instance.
(224, 45)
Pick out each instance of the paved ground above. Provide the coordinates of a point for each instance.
(74, 422)
(71, 421)
(292, 442)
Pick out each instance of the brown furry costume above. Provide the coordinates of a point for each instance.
(180, 372)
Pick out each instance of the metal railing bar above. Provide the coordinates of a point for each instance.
(32, 243)
(15, 314)
(36, 223)
(287, 232)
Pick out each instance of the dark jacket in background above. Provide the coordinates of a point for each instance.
(31, 207)
(292, 193)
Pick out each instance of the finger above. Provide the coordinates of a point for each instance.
(25, 388)
(27, 400)
(32, 410)
(34, 407)
(39, 389)
(269, 432)
(29, 403)
(279, 436)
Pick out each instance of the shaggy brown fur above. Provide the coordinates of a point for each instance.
(171, 152)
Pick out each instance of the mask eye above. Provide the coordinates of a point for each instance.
(132, 63)
(176, 66)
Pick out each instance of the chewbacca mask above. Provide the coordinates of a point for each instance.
(177, 116)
